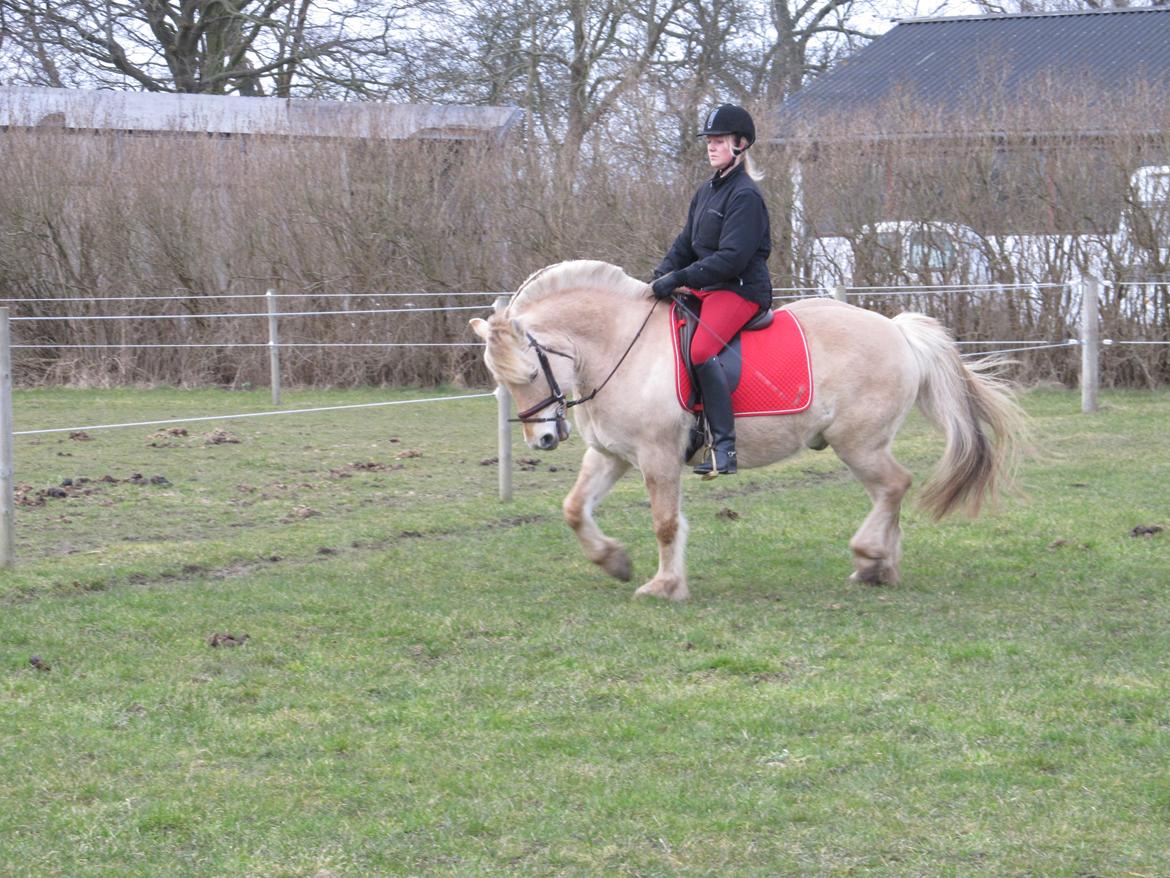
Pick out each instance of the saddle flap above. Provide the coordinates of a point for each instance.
(687, 323)
(772, 367)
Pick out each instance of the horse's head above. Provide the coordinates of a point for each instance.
(525, 368)
(535, 364)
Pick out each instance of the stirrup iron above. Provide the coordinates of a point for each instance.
(713, 461)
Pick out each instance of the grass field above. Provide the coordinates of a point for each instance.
(438, 684)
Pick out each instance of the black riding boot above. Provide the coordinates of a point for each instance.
(720, 420)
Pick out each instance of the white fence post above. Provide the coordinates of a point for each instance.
(504, 400)
(273, 347)
(839, 293)
(1090, 343)
(7, 554)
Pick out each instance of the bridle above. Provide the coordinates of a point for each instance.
(556, 396)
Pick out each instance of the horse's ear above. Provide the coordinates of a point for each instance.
(479, 327)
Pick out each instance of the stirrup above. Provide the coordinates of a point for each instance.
(709, 467)
(706, 465)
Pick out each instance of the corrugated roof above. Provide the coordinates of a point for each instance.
(216, 114)
(945, 62)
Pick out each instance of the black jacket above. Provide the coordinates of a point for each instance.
(726, 241)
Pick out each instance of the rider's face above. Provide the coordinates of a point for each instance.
(719, 149)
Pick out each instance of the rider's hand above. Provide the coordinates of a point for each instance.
(667, 284)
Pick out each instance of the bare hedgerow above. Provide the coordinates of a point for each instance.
(1036, 190)
(111, 215)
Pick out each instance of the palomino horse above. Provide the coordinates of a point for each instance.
(867, 371)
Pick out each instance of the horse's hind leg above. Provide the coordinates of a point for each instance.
(599, 473)
(877, 545)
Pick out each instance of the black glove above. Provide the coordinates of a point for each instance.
(658, 272)
(667, 284)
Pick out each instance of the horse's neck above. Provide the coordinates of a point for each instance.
(588, 321)
(598, 326)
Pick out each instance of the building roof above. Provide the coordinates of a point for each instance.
(217, 114)
(948, 62)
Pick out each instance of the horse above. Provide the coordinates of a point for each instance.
(576, 324)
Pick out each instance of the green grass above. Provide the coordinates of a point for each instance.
(438, 684)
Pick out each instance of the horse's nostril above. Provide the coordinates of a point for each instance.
(548, 441)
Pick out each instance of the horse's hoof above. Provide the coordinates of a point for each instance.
(664, 589)
(617, 564)
(875, 574)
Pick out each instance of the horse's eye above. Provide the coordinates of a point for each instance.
(533, 375)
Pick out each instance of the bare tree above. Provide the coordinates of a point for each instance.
(494, 52)
(760, 51)
(250, 47)
(613, 44)
(567, 63)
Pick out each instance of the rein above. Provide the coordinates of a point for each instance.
(556, 395)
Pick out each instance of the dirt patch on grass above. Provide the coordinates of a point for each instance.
(166, 438)
(81, 486)
(300, 513)
(369, 466)
(220, 436)
(1146, 530)
(804, 478)
(220, 639)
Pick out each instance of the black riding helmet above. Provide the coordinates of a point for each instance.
(730, 119)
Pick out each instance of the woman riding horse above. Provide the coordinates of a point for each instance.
(722, 253)
(572, 326)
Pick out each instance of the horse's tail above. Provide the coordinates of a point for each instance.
(974, 409)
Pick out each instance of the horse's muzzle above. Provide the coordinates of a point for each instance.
(548, 441)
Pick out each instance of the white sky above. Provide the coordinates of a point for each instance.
(884, 14)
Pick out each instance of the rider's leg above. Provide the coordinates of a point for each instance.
(724, 314)
(720, 419)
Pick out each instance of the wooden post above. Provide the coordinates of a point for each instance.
(839, 293)
(1090, 344)
(504, 409)
(7, 554)
(273, 347)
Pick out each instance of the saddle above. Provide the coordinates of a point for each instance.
(687, 319)
(778, 375)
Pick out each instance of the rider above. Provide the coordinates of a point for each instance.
(722, 254)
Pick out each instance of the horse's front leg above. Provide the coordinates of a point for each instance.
(663, 482)
(599, 473)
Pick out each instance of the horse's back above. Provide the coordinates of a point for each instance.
(861, 359)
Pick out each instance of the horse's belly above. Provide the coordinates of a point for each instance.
(761, 441)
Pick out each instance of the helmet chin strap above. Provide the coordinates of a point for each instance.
(736, 152)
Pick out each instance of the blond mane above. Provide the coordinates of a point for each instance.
(576, 273)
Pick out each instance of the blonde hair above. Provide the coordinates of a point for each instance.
(749, 167)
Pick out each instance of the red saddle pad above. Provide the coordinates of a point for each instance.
(776, 377)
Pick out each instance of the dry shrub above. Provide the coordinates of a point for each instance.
(85, 214)
(1034, 191)
(112, 215)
